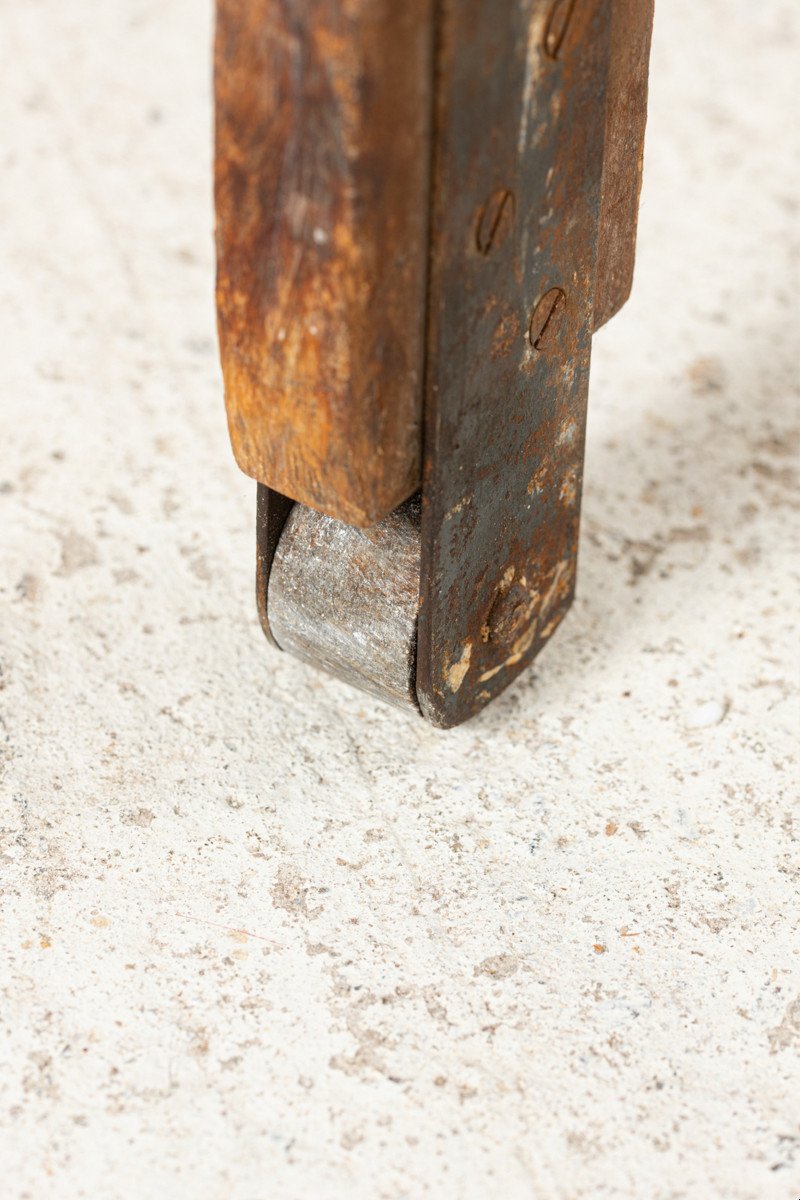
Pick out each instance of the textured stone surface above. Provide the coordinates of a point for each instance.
(266, 939)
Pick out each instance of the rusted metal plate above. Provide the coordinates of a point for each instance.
(345, 599)
(520, 110)
(626, 117)
(321, 184)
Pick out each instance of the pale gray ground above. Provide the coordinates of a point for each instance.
(265, 939)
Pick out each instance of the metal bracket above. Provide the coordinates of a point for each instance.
(521, 116)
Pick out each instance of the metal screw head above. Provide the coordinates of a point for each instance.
(557, 26)
(495, 220)
(547, 319)
(509, 614)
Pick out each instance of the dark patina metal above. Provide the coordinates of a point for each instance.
(509, 341)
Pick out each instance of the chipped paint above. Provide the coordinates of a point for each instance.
(456, 673)
(457, 508)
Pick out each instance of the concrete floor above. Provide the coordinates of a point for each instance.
(265, 939)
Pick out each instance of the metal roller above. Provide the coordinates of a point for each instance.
(346, 599)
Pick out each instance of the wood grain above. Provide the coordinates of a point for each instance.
(626, 118)
(321, 187)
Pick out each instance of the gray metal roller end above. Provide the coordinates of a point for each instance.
(347, 599)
